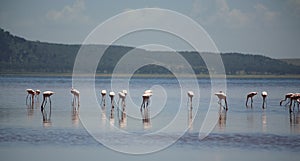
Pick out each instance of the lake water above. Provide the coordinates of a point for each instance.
(241, 133)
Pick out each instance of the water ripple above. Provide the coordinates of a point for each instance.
(79, 137)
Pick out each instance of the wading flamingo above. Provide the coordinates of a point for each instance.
(250, 95)
(103, 94)
(122, 96)
(190, 95)
(75, 94)
(222, 96)
(112, 95)
(146, 99)
(287, 96)
(296, 98)
(46, 95)
(32, 93)
(264, 95)
(37, 94)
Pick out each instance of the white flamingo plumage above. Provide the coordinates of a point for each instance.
(222, 96)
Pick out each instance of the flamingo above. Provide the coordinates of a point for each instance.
(222, 96)
(250, 95)
(287, 96)
(122, 96)
(190, 95)
(146, 97)
(103, 94)
(111, 95)
(46, 95)
(37, 94)
(296, 98)
(264, 95)
(32, 93)
(75, 93)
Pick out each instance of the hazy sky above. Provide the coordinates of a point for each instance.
(267, 27)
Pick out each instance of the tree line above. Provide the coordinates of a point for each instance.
(18, 55)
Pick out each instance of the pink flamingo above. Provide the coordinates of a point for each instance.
(46, 95)
(37, 94)
(122, 96)
(296, 98)
(103, 94)
(75, 93)
(222, 96)
(250, 95)
(190, 95)
(264, 95)
(112, 95)
(287, 96)
(32, 93)
(146, 99)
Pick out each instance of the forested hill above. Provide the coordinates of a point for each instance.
(18, 55)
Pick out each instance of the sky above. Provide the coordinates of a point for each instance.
(266, 27)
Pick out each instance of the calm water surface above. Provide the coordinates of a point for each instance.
(240, 133)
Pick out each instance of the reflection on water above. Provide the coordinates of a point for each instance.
(295, 122)
(122, 116)
(222, 119)
(122, 119)
(46, 113)
(272, 130)
(190, 119)
(264, 121)
(146, 118)
(112, 116)
(30, 111)
(75, 116)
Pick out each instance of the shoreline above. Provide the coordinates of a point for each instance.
(150, 75)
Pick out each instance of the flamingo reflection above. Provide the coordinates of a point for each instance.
(47, 117)
(264, 121)
(295, 122)
(112, 116)
(75, 116)
(75, 106)
(122, 118)
(146, 118)
(222, 119)
(112, 111)
(190, 118)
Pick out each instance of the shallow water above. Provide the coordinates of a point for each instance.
(240, 133)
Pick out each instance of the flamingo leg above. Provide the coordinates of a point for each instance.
(42, 106)
(226, 104)
(78, 101)
(27, 98)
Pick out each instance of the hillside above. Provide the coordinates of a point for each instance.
(292, 61)
(18, 55)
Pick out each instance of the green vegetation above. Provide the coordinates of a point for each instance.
(18, 55)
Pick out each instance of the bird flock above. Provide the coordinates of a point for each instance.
(290, 99)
